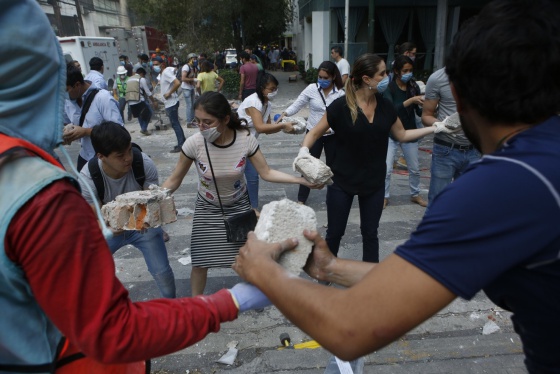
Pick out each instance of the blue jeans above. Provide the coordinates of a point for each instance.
(448, 164)
(252, 177)
(173, 115)
(328, 143)
(339, 203)
(410, 152)
(155, 254)
(189, 101)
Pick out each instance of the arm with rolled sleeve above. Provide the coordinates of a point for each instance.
(302, 100)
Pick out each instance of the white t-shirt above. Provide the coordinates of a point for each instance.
(228, 162)
(253, 101)
(343, 67)
(184, 85)
(166, 79)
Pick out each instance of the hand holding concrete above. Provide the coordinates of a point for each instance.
(298, 124)
(248, 297)
(449, 125)
(320, 258)
(312, 169)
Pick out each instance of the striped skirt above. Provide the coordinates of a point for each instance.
(209, 245)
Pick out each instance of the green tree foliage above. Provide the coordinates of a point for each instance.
(215, 25)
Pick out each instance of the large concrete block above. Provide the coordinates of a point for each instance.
(313, 170)
(300, 124)
(284, 219)
(139, 210)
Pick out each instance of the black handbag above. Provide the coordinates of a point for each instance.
(238, 225)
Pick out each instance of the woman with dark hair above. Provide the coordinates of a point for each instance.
(318, 95)
(206, 81)
(362, 121)
(404, 94)
(407, 49)
(230, 145)
(255, 110)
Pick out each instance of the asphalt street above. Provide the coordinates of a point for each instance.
(456, 340)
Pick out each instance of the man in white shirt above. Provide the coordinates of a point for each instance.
(188, 77)
(341, 63)
(169, 85)
(95, 75)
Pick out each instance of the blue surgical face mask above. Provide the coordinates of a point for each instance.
(324, 83)
(157, 69)
(406, 77)
(382, 86)
(122, 63)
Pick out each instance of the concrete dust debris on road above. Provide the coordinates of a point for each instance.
(184, 212)
(185, 260)
(229, 357)
(490, 327)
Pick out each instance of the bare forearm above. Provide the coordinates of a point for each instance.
(411, 135)
(276, 176)
(346, 272)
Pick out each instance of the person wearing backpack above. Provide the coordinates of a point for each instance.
(120, 167)
(137, 91)
(188, 82)
(86, 106)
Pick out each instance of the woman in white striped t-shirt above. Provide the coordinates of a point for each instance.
(230, 145)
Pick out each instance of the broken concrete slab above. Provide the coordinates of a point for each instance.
(139, 210)
(284, 219)
(313, 170)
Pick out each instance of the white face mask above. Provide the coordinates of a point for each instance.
(271, 95)
(211, 134)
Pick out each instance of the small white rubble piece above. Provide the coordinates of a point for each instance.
(139, 210)
(453, 122)
(490, 327)
(299, 124)
(313, 169)
(229, 357)
(284, 219)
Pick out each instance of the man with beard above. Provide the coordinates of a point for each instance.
(494, 229)
(452, 153)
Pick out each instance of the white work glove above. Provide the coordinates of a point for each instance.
(440, 127)
(247, 297)
(303, 153)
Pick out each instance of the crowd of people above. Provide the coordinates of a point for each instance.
(471, 237)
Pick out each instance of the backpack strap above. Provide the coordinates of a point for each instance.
(97, 177)
(138, 165)
(87, 104)
(137, 171)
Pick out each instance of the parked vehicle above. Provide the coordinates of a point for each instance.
(83, 48)
(231, 57)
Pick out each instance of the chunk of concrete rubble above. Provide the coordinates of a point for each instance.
(313, 170)
(299, 124)
(284, 219)
(139, 210)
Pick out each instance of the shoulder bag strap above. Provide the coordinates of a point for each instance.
(87, 104)
(322, 97)
(214, 178)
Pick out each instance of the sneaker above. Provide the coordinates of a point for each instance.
(129, 116)
(385, 203)
(145, 132)
(175, 149)
(165, 236)
(418, 200)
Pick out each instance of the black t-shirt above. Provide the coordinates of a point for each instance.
(358, 161)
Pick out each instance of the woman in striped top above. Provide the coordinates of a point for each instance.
(230, 146)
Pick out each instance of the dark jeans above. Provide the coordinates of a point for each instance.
(173, 115)
(339, 203)
(328, 143)
(247, 93)
(122, 104)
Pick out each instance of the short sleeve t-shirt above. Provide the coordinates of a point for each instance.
(358, 162)
(207, 81)
(438, 88)
(492, 240)
(253, 101)
(228, 162)
(190, 74)
(343, 66)
(250, 71)
(116, 187)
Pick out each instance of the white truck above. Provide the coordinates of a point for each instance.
(83, 48)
